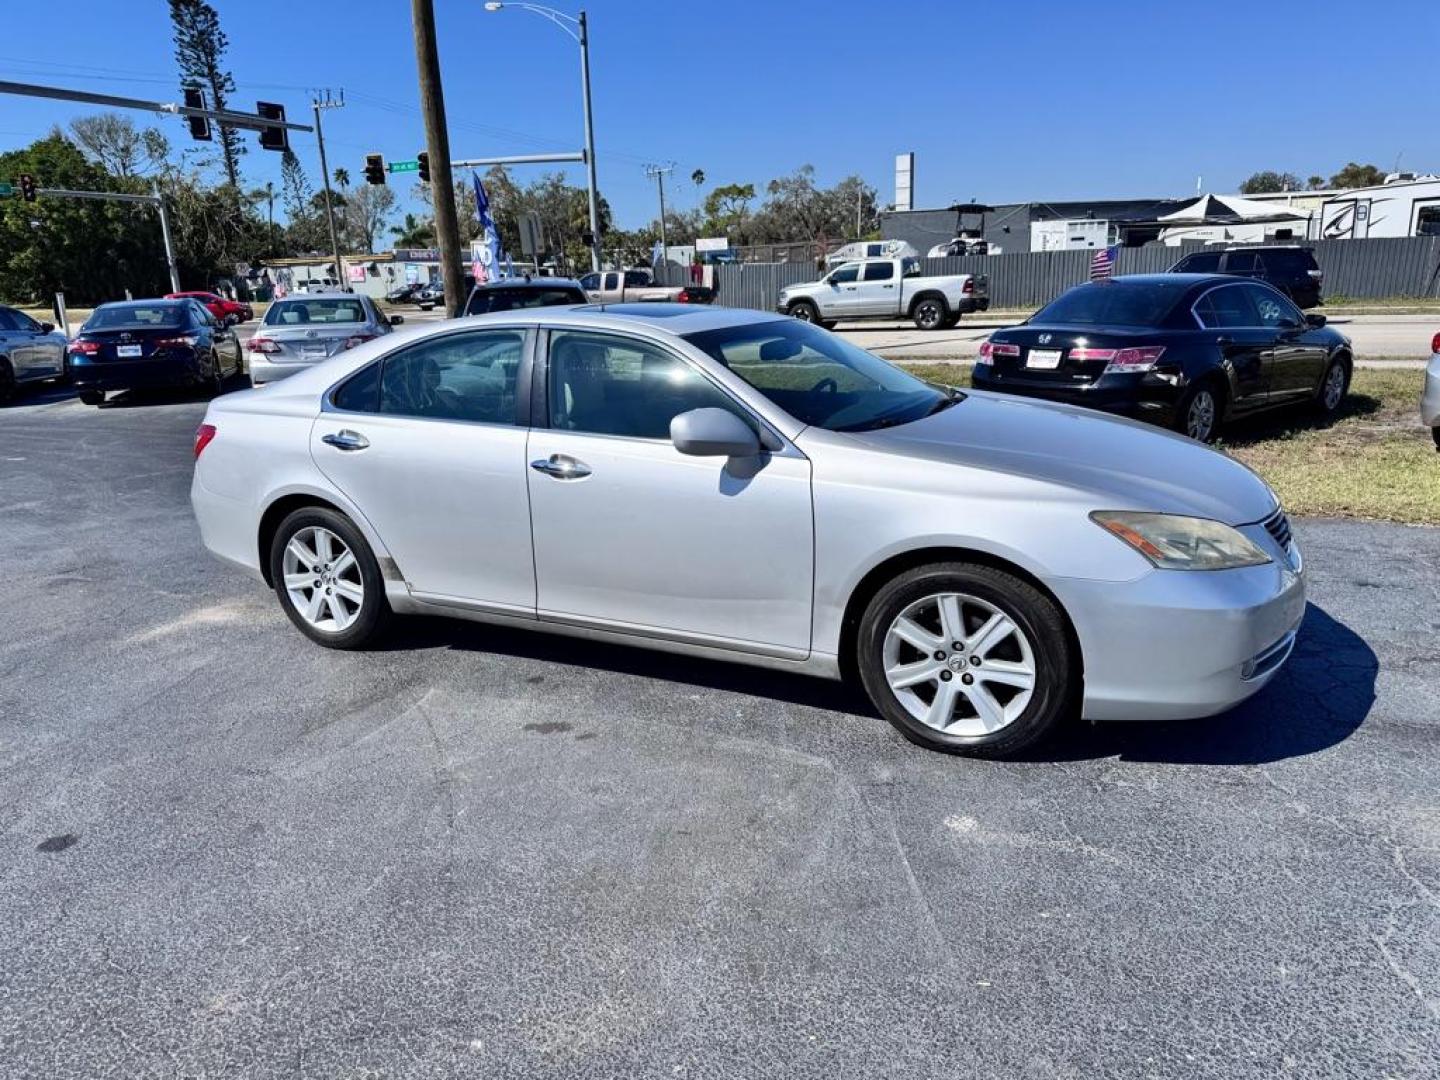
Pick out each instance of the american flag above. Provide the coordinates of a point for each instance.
(1102, 266)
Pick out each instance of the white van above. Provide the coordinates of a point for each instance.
(871, 249)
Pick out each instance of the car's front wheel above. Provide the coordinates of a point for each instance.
(327, 579)
(92, 397)
(967, 659)
(804, 311)
(1333, 387)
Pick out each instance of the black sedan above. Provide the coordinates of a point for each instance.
(151, 343)
(1189, 351)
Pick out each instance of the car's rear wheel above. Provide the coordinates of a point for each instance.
(92, 397)
(967, 659)
(1333, 387)
(7, 381)
(1200, 412)
(930, 313)
(327, 579)
(804, 311)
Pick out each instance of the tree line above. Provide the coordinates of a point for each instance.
(1353, 175)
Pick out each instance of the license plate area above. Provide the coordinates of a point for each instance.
(129, 352)
(1043, 359)
(313, 352)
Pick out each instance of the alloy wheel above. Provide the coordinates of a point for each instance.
(929, 313)
(322, 578)
(1200, 420)
(959, 664)
(1334, 387)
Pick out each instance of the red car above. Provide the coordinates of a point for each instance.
(222, 309)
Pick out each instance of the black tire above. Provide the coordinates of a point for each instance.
(92, 397)
(1191, 413)
(216, 382)
(7, 382)
(952, 321)
(1327, 401)
(374, 611)
(1035, 615)
(829, 324)
(804, 310)
(1435, 434)
(930, 312)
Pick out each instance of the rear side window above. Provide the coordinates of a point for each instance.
(880, 271)
(1291, 262)
(1244, 262)
(1113, 303)
(1227, 308)
(634, 279)
(456, 377)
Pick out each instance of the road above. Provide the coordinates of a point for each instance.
(224, 850)
(1380, 339)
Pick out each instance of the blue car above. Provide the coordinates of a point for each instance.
(151, 343)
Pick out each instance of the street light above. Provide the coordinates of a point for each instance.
(580, 34)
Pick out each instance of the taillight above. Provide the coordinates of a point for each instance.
(969, 286)
(358, 339)
(263, 345)
(1137, 359)
(990, 349)
(1435, 344)
(184, 342)
(84, 348)
(203, 434)
(683, 297)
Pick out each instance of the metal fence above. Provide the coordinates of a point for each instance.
(1403, 266)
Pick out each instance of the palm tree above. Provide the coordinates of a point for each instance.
(342, 177)
(412, 232)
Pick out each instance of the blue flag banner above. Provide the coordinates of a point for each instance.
(488, 264)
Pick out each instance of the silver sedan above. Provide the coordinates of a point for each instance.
(300, 331)
(730, 484)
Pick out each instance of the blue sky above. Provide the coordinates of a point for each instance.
(1027, 99)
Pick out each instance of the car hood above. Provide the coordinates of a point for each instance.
(1124, 463)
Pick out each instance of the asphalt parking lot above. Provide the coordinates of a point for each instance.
(489, 853)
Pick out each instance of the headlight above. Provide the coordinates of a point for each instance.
(1173, 542)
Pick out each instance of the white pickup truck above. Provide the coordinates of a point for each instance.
(886, 289)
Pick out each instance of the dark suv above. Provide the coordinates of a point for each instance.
(510, 293)
(1292, 270)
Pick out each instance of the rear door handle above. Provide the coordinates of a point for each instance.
(561, 467)
(345, 439)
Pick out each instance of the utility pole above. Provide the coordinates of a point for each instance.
(657, 173)
(589, 142)
(328, 102)
(270, 199)
(437, 143)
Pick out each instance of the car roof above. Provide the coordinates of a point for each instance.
(164, 300)
(676, 319)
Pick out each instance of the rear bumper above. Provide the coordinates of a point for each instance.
(1176, 645)
(970, 304)
(267, 371)
(1124, 395)
(1430, 396)
(134, 374)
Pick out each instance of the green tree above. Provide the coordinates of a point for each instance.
(200, 47)
(797, 209)
(1315, 183)
(726, 208)
(1354, 175)
(1261, 183)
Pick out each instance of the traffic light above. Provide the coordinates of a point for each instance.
(27, 187)
(374, 169)
(199, 125)
(424, 159)
(273, 138)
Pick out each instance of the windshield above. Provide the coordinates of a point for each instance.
(819, 378)
(326, 310)
(115, 316)
(503, 299)
(1113, 303)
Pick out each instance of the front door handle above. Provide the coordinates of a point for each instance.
(345, 439)
(561, 467)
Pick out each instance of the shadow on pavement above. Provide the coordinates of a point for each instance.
(1319, 698)
(1322, 695)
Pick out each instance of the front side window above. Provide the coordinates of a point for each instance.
(848, 272)
(819, 378)
(456, 377)
(325, 312)
(606, 384)
(879, 271)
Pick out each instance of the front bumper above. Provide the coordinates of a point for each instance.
(1430, 396)
(134, 374)
(1176, 644)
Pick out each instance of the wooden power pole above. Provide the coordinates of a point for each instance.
(437, 144)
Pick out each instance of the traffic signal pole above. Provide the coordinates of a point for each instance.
(437, 142)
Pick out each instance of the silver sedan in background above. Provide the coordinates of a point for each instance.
(730, 484)
(301, 331)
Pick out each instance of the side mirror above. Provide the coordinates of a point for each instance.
(713, 433)
(1316, 320)
(396, 320)
(47, 327)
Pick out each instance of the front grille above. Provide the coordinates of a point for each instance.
(1278, 526)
